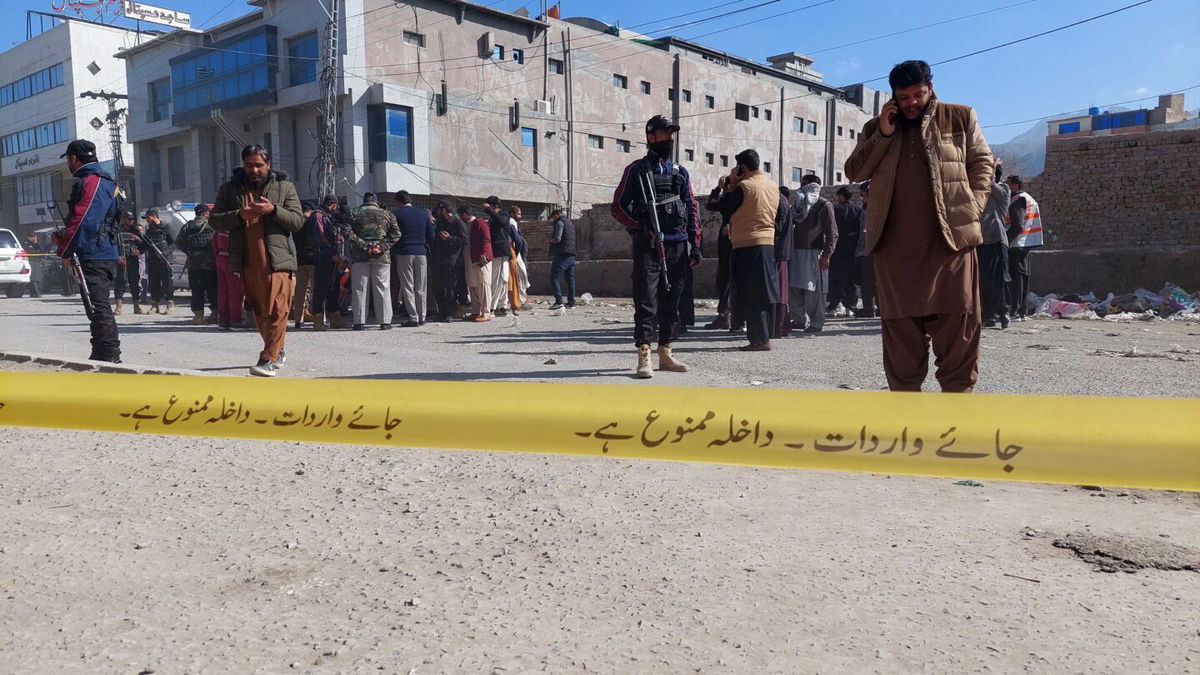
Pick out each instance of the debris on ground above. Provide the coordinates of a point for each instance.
(1172, 302)
(969, 483)
(586, 299)
(1130, 554)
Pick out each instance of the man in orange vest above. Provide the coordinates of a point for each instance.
(1024, 224)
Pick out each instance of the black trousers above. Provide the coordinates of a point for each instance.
(866, 281)
(724, 254)
(203, 284)
(842, 279)
(655, 310)
(99, 275)
(325, 288)
(1018, 272)
(993, 281)
(444, 287)
(162, 287)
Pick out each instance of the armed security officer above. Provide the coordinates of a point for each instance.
(90, 237)
(657, 290)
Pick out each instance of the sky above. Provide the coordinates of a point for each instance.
(1138, 53)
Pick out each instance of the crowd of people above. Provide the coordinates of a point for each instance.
(938, 253)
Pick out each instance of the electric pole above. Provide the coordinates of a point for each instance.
(114, 131)
(327, 142)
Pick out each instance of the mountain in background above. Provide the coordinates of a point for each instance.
(1024, 155)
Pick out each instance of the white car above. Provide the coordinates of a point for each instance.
(15, 271)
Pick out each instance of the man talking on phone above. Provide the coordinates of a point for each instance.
(930, 171)
(261, 210)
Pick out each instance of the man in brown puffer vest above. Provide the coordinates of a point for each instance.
(930, 171)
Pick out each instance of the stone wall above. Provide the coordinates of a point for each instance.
(1121, 192)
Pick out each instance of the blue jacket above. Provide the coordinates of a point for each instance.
(416, 231)
(91, 209)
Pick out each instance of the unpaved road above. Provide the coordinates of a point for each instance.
(126, 554)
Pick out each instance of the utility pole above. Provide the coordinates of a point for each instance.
(327, 141)
(114, 131)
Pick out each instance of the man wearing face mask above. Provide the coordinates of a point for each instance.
(930, 171)
(657, 289)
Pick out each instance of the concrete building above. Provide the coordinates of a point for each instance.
(41, 111)
(1168, 114)
(450, 98)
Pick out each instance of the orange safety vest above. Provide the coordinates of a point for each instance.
(1031, 233)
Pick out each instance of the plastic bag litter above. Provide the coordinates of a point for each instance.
(1178, 298)
(1059, 309)
(586, 299)
(1132, 316)
(1127, 303)
(1192, 314)
(1152, 300)
(1032, 301)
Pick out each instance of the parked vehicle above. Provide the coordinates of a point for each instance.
(15, 268)
(174, 215)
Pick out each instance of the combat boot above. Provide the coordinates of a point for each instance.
(170, 306)
(336, 321)
(318, 322)
(137, 309)
(154, 308)
(212, 319)
(198, 318)
(643, 366)
(117, 307)
(667, 362)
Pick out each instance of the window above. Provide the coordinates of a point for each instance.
(622, 146)
(233, 73)
(708, 158)
(839, 130)
(754, 111)
(767, 114)
(798, 125)
(797, 174)
(498, 53)
(645, 87)
(671, 94)
(35, 190)
(596, 142)
(851, 133)
(1068, 127)
(32, 85)
(724, 160)
(528, 137)
(160, 99)
(687, 96)
(812, 127)
(176, 180)
(741, 111)
(518, 55)
(710, 102)
(839, 176)
(620, 81)
(414, 39)
(50, 133)
(689, 154)
(556, 66)
(303, 53)
(767, 167)
(390, 130)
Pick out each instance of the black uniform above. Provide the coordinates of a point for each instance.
(195, 239)
(843, 273)
(446, 265)
(656, 311)
(162, 287)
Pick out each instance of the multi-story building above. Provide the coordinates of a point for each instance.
(41, 111)
(1166, 115)
(449, 98)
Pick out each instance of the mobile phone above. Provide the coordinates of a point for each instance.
(895, 108)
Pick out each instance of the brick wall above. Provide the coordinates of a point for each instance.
(1128, 191)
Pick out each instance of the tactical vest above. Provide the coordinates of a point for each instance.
(668, 189)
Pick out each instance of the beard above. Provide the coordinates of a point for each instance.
(255, 181)
(904, 122)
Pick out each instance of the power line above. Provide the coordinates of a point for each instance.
(917, 28)
(1070, 112)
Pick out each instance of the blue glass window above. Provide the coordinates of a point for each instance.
(528, 137)
(32, 85)
(233, 73)
(390, 130)
(160, 99)
(1068, 127)
(50, 133)
(303, 52)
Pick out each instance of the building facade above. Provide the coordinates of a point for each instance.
(41, 111)
(1168, 114)
(450, 99)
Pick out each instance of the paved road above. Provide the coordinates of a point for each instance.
(1050, 356)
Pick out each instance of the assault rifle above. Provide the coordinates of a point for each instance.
(651, 200)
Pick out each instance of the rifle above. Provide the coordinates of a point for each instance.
(655, 229)
(84, 293)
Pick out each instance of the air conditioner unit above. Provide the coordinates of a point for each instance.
(543, 107)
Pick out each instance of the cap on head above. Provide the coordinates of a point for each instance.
(80, 148)
(329, 200)
(445, 206)
(151, 212)
(370, 198)
(660, 123)
(203, 210)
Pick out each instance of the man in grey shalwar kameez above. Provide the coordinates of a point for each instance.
(815, 238)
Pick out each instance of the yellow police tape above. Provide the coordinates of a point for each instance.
(1133, 442)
